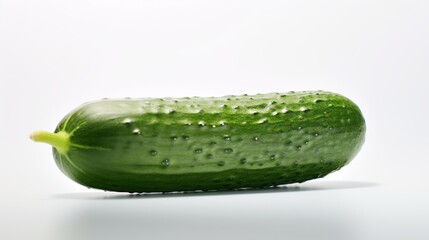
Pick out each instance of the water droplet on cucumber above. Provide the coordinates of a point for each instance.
(127, 121)
(165, 163)
(228, 150)
(304, 109)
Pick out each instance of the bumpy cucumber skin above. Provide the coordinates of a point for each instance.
(231, 142)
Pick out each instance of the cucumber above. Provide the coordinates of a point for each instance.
(212, 143)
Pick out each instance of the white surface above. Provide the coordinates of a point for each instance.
(55, 55)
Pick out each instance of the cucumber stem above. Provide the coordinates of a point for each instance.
(59, 140)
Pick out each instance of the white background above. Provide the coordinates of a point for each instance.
(55, 55)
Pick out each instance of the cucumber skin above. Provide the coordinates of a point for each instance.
(231, 142)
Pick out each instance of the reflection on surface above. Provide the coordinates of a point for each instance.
(315, 186)
(294, 212)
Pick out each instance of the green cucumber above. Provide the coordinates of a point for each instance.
(186, 144)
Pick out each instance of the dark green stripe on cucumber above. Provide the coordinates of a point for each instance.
(186, 144)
